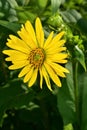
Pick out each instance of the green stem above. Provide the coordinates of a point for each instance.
(75, 81)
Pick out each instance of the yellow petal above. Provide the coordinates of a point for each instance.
(25, 36)
(41, 78)
(48, 41)
(58, 67)
(53, 75)
(16, 55)
(56, 50)
(8, 59)
(24, 71)
(33, 78)
(57, 57)
(58, 71)
(58, 36)
(56, 45)
(30, 30)
(60, 43)
(39, 32)
(17, 44)
(28, 75)
(62, 61)
(46, 77)
(18, 65)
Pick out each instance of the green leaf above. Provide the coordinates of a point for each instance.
(66, 101)
(11, 26)
(13, 3)
(26, 15)
(13, 96)
(80, 56)
(1, 15)
(71, 15)
(24, 2)
(31, 115)
(82, 24)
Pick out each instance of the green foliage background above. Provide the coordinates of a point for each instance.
(31, 108)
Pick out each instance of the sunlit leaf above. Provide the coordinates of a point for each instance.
(13, 3)
(66, 102)
(42, 3)
(55, 5)
(68, 127)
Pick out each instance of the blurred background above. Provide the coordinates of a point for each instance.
(23, 108)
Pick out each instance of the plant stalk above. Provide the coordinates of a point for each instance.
(76, 93)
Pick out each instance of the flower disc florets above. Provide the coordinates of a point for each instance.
(36, 57)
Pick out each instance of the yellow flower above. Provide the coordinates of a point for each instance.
(35, 55)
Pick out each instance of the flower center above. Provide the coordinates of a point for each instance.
(36, 57)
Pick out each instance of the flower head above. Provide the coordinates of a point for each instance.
(35, 55)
